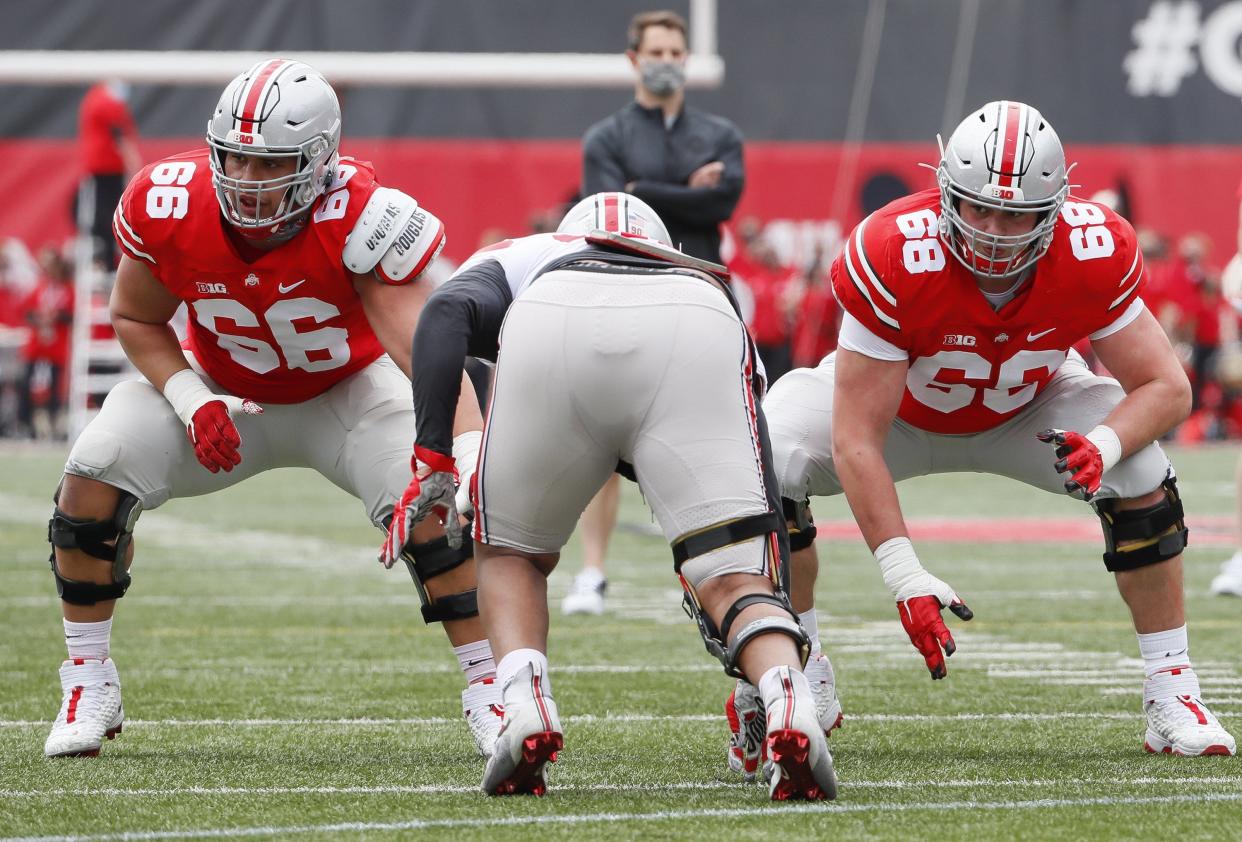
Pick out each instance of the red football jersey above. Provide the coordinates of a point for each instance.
(279, 327)
(972, 367)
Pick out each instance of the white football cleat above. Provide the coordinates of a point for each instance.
(586, 594)
(823, 681)
(530, 736)
(798, 764)
(1178, 722)
(483, 706)
(90, 708)
(1228, 581)
(744, 710)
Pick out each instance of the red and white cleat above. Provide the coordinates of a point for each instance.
(1178, 722)
(483, 706)
(799, 764)
(823, 681)
(747, 729)
(530, 736)
(90, 709)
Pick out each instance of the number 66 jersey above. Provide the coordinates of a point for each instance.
(973, 367)
(282, 325)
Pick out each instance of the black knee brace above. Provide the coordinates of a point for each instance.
(717, 639)
(92, 537)
(1159, 530)
(432, 558)
(801, 524)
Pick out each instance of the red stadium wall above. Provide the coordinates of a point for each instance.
(480, 185)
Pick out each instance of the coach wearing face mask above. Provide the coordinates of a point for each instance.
(685, 163)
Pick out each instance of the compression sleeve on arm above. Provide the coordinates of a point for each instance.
(462, 317)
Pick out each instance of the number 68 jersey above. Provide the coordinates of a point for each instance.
(973, 367)
(276, 326)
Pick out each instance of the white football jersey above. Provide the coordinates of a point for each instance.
(524, 259)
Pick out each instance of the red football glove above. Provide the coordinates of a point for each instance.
(921, 618)
(1079, 457)
(431, 490)
(920, 598)
(214, 435)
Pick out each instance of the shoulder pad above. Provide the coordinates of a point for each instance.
(650, 248)
(394, 237)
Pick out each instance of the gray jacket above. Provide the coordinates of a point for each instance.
(632, 145)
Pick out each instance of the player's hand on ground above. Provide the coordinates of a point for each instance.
(432, 490)
(920, 599)
(1079, 457)
(214, 436)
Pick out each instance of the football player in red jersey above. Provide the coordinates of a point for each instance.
(962, 305)
(301, 276)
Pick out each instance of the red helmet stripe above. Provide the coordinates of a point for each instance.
(610, 212)
(255, 93)
(1013, 127)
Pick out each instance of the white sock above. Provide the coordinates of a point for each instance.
(773, 690)
(1164, 650)
(88, 640)
(811, 623)
(476, 660)
(512, 663)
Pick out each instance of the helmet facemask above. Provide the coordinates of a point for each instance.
(297, 190)
(995, 255)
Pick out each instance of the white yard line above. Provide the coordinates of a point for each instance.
(590, 719)
(445, 789)
(937, 807)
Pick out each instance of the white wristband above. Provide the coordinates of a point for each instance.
(187, 392)
(898, 564)
(466, 457)
(1106, 440)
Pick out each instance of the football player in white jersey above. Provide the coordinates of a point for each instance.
(617, 349)
(302, 279)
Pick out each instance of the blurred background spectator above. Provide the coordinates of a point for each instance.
(48, 312)
(108, 140)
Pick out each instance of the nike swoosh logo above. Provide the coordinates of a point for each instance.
(1030, 337)
(475, 663)
(283, 289)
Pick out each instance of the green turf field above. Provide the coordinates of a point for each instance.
(279, 684)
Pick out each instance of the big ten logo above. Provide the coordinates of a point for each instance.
(207, 288)
(960, 339)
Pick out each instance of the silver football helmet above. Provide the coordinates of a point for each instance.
(1007, 157)
(619, 213)
(277, 109)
